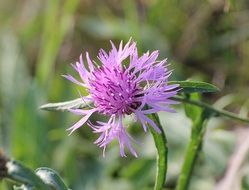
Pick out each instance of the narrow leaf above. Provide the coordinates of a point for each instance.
(195, 86)
(210, 108)
(23, 187)
(51, 178)
(62, 106)
(22, 174)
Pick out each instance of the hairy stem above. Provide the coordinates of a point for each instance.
(191, 155)
(162, 150)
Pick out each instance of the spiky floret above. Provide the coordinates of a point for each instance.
(118, 89)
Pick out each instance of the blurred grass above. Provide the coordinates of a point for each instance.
(39, 40)
(60, 16)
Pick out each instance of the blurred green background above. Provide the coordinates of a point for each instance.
(205, 40)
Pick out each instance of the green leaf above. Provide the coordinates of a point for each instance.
(195, 86)
(63, 106)
(51, 178)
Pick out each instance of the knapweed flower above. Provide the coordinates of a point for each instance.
(123, 84)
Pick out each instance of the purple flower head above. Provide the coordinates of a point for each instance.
(123, 84)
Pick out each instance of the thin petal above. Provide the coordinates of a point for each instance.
(79, 111)
(81, 121)
(72, 79)
(143, 118)
(90, 64)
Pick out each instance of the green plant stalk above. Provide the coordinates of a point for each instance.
(211, 108)
(162, 150)
(191, 155)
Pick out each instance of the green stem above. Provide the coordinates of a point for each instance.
(211, 108)
(191, 155)
(162, 149)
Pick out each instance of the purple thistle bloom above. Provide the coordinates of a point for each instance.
(118, 89)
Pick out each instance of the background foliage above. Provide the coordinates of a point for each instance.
(204, 40)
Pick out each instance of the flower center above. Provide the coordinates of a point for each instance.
(114, 91)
